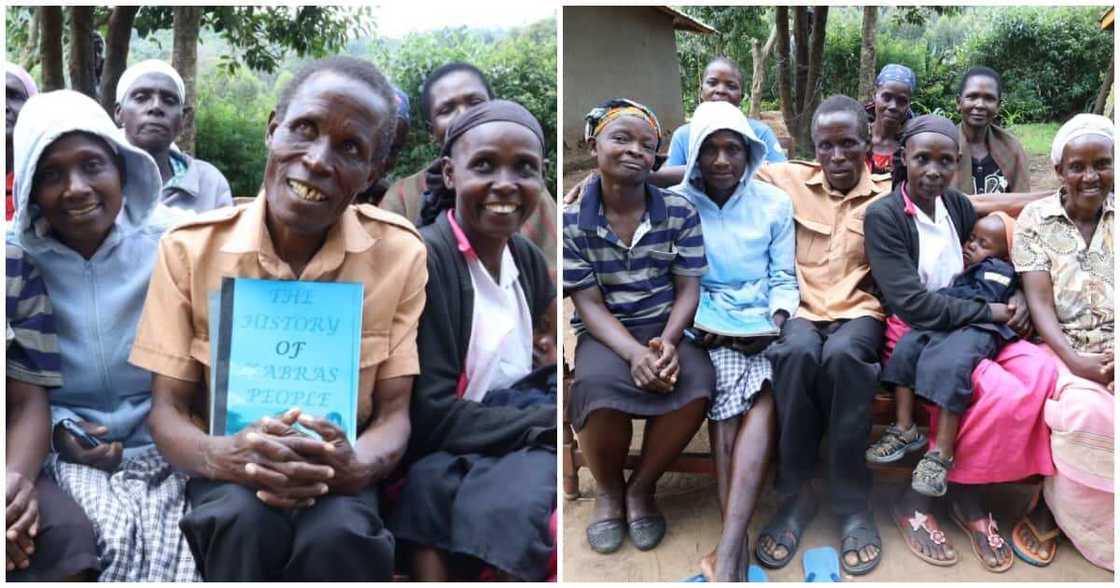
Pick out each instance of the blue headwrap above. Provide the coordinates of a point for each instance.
(403, 112)
(893, 72)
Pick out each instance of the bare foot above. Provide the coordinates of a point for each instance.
(1043, 520)
(708, 566)
(731, 562)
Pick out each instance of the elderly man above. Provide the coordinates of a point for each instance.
(826, 364)
(151, 109)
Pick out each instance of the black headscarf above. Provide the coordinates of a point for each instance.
(439, 197)
(927, 123)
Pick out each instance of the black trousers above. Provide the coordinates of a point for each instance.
(236, 537)
(825, 376)
(65, 545)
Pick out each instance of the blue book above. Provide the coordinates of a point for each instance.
(277, 345)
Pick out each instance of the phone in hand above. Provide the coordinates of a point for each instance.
(86, 440)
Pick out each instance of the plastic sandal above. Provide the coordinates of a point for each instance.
(892, 446)
(930, 475)
(859, 531)
(1050, 537)
(911, 523)
(994, 539)
(821, 564)
(790, 519)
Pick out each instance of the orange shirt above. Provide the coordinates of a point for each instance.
(833, 275)
(367, 245)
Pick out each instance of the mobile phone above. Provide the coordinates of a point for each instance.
(84, 439)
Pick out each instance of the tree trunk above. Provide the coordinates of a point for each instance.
(50, 48)
(116, 53)
(801, 59)
(184, 58)
(1106, 87)
(781, 27)
(81, 51)
(758, 76)
(30, 55)
(867, 53)
(813, 77)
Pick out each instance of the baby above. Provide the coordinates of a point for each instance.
(937, 365)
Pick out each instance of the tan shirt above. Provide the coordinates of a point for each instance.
(367, 245)
(833, 275)
(1046, 240)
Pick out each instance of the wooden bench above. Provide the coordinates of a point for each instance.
(696, 462)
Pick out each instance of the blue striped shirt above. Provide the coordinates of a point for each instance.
(636, 281)
(32, 342)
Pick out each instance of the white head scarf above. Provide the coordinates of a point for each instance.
(134, 73)
(47, 117)
(1079, 126)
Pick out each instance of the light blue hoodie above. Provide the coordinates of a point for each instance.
(749, 241)
(97, 302)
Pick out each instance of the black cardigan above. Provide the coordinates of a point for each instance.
(891, 243)
(440, 420)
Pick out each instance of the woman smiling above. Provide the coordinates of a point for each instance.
(483, 414)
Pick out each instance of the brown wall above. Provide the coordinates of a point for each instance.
(624, 52)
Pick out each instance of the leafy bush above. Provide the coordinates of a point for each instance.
(231, 115)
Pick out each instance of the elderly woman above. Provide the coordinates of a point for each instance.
(633, 257)
(914, 246)
(993, 169)
(86, 215)
(484, 415)
(18, 87)
(1064, 253)
(151, 110)
(888, 110)
(448, 91)
(269, 503)
(749, 289)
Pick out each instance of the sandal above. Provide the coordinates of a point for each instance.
(1048, 539)
(929, 477)
(992, 537)
(857, 532)
(893, 446)
(789, 520)
(907, 524)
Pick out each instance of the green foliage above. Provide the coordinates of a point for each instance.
(520, 65)
(1035, 137)
(232, 112)
(1052, 59)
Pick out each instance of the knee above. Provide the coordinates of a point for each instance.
(346, 527)
(234, 511)
(796, 353)
(835, 359)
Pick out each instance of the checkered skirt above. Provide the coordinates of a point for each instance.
(738, 378)
(135, 513)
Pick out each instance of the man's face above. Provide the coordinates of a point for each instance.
(841, 149)
(152, 113)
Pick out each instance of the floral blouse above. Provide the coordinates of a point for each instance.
(1046, 239)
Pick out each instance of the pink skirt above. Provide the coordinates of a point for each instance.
(1003, 435)
(1080, 415)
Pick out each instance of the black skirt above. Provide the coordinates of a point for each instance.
(495, 509)
(602, 379)
(65, 545)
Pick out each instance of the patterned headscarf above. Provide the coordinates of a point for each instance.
(893, 72)
(1079, 126)
(603, 114)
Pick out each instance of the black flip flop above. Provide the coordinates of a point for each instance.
(606, 536)
(788, 518)
(856, 532)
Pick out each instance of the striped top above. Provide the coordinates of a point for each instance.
(32, 342)
(636, 281)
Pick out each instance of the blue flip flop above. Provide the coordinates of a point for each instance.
(754, 574)
(821, 564)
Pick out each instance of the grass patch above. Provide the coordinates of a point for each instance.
(1036, 137)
